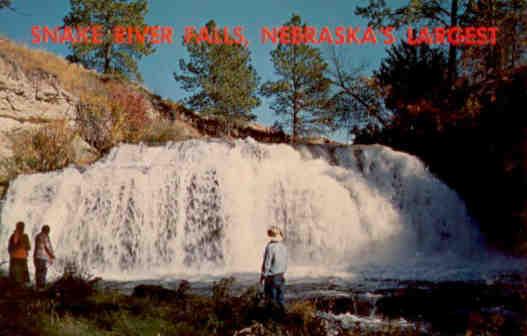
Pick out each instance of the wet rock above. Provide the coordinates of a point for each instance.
(155, 292)
(451, 306)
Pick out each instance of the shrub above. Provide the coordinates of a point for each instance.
(221, 290)
(39, 150)
(129, 113)
(161, 131)
(303, 312)
(94, 121)
(113, 115)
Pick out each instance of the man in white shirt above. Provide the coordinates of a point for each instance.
(43, 255)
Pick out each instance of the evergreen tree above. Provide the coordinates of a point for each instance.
(301, 92)
(428, 12)
(5, 4)
(221, 79)
(411, 73)
(510, 16)
(109, 57)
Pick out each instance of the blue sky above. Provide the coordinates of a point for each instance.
(157, 68)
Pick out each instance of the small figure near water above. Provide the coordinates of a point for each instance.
(43, 255)
(274, 267)
(18, 248)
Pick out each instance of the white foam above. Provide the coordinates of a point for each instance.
(202, 207)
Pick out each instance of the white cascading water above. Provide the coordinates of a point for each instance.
(205, 205)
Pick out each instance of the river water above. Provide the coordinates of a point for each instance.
(356, 218)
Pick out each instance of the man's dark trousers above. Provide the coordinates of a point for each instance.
(274, 291)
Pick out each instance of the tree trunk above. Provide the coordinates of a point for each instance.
(452, 49)
(107, 57)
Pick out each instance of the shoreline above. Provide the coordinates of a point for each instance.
(414, 308)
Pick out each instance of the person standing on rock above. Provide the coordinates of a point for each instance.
(18, 249)
(43, 255)
(274, 267)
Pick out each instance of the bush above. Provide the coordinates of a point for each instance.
(113, 115)
(94, 121)
(129, 113)
(120, 114)
(39, 150)
(162, 131)
(221, 290)
(302, 312)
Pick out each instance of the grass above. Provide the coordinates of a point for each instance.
(162, 131)
(72, 77)
(66, 310)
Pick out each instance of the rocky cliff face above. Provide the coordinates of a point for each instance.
(30, 100)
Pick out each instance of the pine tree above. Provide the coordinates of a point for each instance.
(221, 79)
(302, 91)
(109, 57)
(5, 4)
(428, 12)
(411, 73)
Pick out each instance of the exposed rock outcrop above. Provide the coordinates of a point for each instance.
(30, 100)
(81, 152)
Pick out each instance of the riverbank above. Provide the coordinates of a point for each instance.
(75, 306)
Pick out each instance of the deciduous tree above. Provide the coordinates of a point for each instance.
(356, 98)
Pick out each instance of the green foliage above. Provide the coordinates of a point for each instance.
(427, 12)
(111, 313)
(410, 73)
(5, 4)
(221, 79)
(301, 93)
(221, 289)
(419, 12)
(108, 57)
(68, 326)
(510, 16)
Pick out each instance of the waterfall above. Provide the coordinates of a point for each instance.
(205, 205)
